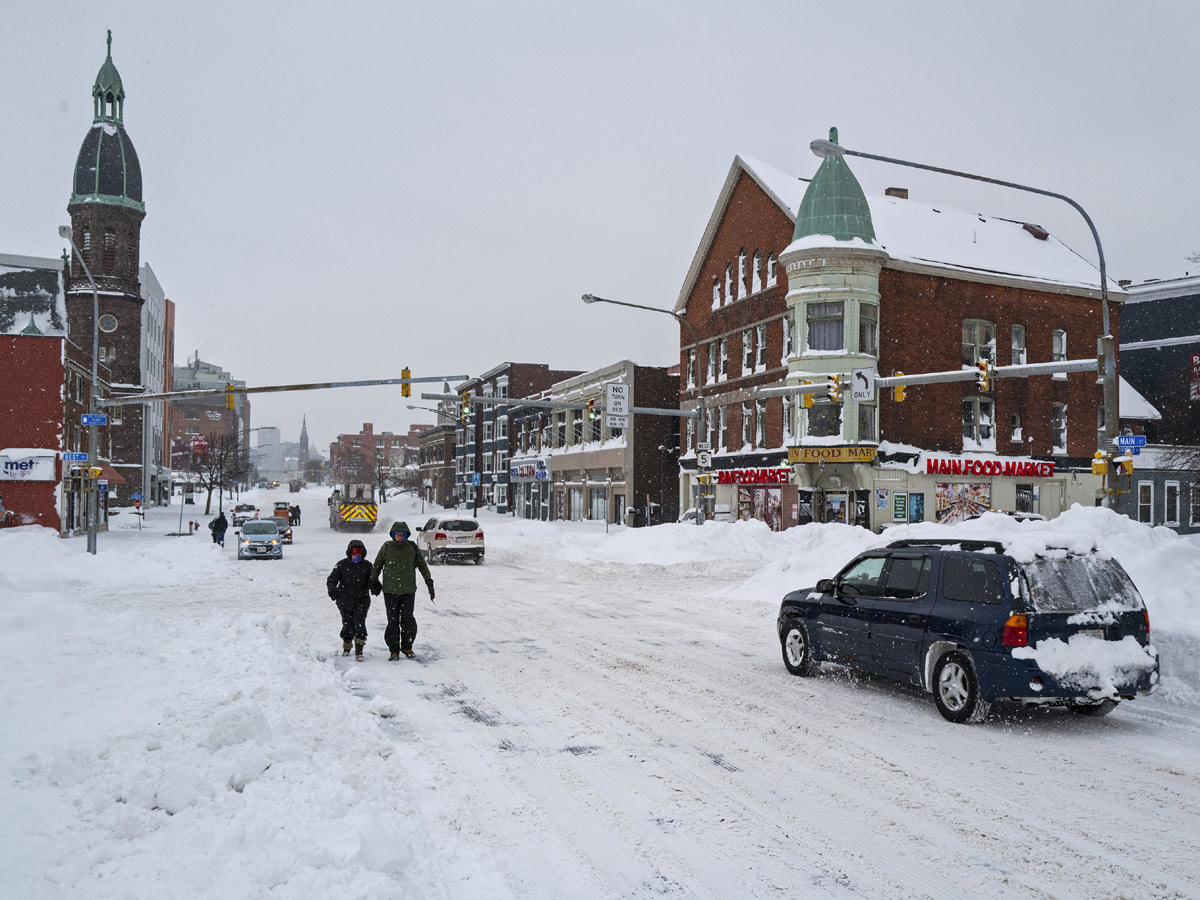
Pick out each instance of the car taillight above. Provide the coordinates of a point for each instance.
(1016, 632)
(479, 535)
(439, 536)
(1146, 613)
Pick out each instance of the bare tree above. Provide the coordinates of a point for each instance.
(219, 466)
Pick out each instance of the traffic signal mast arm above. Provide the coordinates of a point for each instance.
(517, 402)
(272, 389)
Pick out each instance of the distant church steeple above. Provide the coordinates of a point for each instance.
(303, 446)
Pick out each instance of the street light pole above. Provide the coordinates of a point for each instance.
(64, 231)
(701, 416)
(1107, 345)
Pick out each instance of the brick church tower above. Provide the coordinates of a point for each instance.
(106, 212)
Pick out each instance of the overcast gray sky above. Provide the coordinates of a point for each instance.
(335, 193)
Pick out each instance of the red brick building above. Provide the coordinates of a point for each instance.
(364, 451)
(777, 298)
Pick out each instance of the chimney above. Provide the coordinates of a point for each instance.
(898, 193)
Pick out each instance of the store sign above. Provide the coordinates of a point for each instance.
(30, 468)
(1194, 393)
(753, 476)
(530, 470)
(1013, 468)
(831, 454)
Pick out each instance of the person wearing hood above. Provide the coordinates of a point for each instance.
(395, 574)
(219, 526)
(348, 586)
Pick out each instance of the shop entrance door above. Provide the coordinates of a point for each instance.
(837, 508)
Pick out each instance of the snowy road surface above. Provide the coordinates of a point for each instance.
(577, 724)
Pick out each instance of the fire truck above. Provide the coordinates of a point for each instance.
(352, 507)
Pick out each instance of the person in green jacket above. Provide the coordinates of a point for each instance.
(395, 574)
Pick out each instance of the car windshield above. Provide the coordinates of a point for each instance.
(1069, 583)
(460, 525)
(260, 528)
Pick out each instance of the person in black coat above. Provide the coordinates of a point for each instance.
(348, 585)
(219, 526)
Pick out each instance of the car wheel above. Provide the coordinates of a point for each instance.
(797, 651)
(479, 560)
(1094, 710)
(956, 690)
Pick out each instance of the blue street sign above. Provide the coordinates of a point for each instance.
(1131, 440)
(95, 418)
(136, 495)
(74, 457)
(475, 479)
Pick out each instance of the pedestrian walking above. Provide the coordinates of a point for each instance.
(295, 515)
(348, 586)
(395, 574)
(219, 526)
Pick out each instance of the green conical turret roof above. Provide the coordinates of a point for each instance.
(31, 328)
(107, 169)
(108, 87)
(834, 203)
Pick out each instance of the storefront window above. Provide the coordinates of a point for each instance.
(825, 331)
(825, 420)
(598, 505)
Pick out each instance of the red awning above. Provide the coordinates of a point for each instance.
(111, 475)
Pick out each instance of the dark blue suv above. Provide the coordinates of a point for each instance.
(973, 624)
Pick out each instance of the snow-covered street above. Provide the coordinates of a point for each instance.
(590, 715)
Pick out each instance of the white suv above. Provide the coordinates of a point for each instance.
(445, 538)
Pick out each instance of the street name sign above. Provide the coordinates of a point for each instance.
(95, 418)
(74, 457)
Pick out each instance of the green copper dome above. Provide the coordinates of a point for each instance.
(834, 203)
(107, 169)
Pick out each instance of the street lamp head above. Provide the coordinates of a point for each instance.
(64, 231)
(589, 298)
(823, 148)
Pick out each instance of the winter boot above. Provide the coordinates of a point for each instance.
(394, 656)
(358, 651)
(408, 653)
(345, 648)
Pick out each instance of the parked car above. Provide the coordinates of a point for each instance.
(259, 539)
(285, 529)
(445, 538)
(973, 625)
(721, 512)
(243, 513)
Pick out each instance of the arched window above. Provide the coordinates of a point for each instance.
(729, 281)
(741, 283)
(756, 273)
(716, 301)
(772, 270)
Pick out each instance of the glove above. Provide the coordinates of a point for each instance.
(429, 584)
(333, 596)
(376, 587)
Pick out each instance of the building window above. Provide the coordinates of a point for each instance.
(691, 368)
(747, 424)
(1058, 428)
(117, 416)
(772, 270)
(723, 362)
(1171, 503)
(789, 336)
(560, 430)
(487, 431)
(594, 428)
(866, 422)
(576, 427)
(690, 435)
(1018, 345)
(724, 433)
(747, 351)
(729, 281)
(110, 251)
(487, 464)
(712, 361)
(868, 329)
(356, 443)
(741, 285)
(825, 331)
(1146, 502)
(502, 426)
(979, 424)
(760, 423)
(1196, 504)
(789, 421)
(1017, 431)
(756, 274)
(1058, 349)
(716, 301)
(978, 342)
(760, 338)
(825, 420)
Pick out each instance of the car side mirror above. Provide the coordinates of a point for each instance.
(825, 585)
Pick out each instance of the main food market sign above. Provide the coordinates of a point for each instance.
(1010, 467)
(753, 476)
(30, 468)
(831, 454)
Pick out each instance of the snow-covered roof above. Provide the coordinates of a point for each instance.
(31, 289)
(1132, 405)
(923, 237)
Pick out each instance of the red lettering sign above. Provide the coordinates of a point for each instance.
(1011, 468)
(754, 476)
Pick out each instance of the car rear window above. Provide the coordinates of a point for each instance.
(460, 525)
(281, 522)
(260, 528)
(971, 580)
(1071, 583)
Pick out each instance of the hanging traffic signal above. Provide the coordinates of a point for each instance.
(465, 415)
(806, 400)
(835, 388)
(591, 410)
(229, 396)
(898, 391)
(984, 378)
(406, 388)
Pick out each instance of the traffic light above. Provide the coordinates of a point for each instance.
(229, 396)
(465, 415)
(591, 410)
(898, 391)
(406, 388)
(1099, 464)
(835, 388)
(806, 400)
(984, 378)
